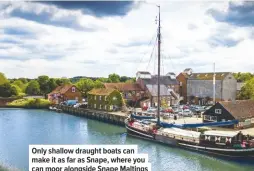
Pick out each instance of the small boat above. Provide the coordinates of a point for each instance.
(231, 144)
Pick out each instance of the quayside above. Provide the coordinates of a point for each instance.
(228, 144)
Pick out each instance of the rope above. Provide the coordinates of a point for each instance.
(144, 54)
(151, 54)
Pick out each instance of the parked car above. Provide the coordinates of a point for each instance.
(187, 112)
(168, 110)
(151, 109)
(144, 108)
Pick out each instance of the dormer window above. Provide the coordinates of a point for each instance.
(73, 89)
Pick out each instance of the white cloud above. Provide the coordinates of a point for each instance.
(186, 30)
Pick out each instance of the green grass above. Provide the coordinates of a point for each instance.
(29, 103)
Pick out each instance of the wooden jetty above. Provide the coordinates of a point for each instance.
(116, 118)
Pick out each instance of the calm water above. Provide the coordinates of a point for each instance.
(19, 128)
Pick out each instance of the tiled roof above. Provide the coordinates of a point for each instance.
(239, 109)
(101, 91)
(123, 86)
(62, 89)
(164, 80)
(208, 76)
(153, 90)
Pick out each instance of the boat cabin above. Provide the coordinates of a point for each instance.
(228, 139)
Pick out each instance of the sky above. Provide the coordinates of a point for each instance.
(67, 39)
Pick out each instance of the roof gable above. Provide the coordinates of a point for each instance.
(62, 89)
(239, 108)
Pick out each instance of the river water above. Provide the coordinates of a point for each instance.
(20, 127)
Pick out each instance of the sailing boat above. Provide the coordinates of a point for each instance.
(226, 144)
(143, 128)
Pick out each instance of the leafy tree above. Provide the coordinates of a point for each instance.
(123, 79)
(62, 81)
(98, 84)
(114, 78)
(16, 89)
(247, 91)
(104, 80)
(43, 82)
(24, 80)
(133, 80)
(164, 103)
(6, 90)
(3, 79)
(85, 85)
(52, 84)
(33, 88)
(20, 85)
(243, 77)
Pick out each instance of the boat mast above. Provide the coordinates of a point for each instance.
(214, 83)
(159, 63)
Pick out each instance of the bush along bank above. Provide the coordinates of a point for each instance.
(29, 103)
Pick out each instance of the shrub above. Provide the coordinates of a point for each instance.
(30, 103)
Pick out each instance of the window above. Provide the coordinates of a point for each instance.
(223, 139)
(94, 106)
(217, 111)
(207, 117)
(213, 118)
(73, 89)
(95, 97)
(212, 138)
(100, 97)
(202, 137)
(100, 106)
(105, 107)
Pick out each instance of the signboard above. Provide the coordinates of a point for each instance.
(217, 111)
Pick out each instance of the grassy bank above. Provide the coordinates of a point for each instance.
(29, 103)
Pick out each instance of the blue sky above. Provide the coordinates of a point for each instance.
(66, 39)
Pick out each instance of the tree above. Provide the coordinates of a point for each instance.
(24, 80)
(243, 77)
(132, 80)
(247, 91)
(123, 79)
(52, 84)
(98, 84)
(43, 82)
(33, 88)
(3, 79)
(104, 80)
(164, 103)
(20, 85)
(85, 85)
(6, 90)
(114, 78)
(62, 81)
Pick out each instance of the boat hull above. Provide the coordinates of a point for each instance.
(138, 133)
(232, 154)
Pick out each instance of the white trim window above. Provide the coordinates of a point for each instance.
(207, 117)
(73, 89)
(94, 97)
(100, 106)
(94, 106)
(99, 97)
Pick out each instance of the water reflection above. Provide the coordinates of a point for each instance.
(19, 128)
